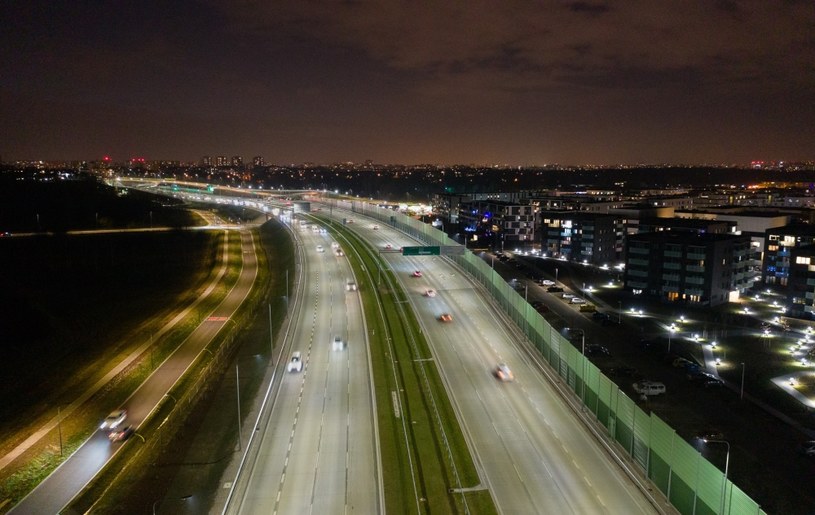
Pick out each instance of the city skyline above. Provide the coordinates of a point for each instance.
(572, 83)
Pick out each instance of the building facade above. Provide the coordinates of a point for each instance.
(688, 268)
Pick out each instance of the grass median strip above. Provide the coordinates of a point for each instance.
(425, 457)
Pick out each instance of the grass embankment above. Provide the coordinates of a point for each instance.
(186, 443)
(423, 451)
(90, 359)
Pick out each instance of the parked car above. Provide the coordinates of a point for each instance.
(567, 295)
(595, 349)
(649, 388)
(113, 420)
(599, 315)
(622, 371)
(576, 300)
(554, 289)
(547, 282)
(503, 372)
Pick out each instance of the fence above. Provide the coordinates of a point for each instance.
(690, 483)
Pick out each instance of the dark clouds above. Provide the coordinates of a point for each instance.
(505, 82)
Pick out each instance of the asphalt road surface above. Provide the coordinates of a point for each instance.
(534, 453)
(317, 452)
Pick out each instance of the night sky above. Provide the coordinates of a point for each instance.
(503, 82)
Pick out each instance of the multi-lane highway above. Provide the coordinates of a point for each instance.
(534, 453)
(316, 452)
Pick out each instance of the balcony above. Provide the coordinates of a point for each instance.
(637, 262)
(637, 284)
(696, 256)
(672, 254)
(672, 266)
(671, 277)
(695, 268)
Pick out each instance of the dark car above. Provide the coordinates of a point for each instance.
(711, 383)
(121, 435)
(597, 350)
(622, 371)
(554, 289)
(599, 315)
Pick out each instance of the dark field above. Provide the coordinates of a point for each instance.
(67, 300)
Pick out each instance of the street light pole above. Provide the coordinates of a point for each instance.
(555, 275)
(741, 395)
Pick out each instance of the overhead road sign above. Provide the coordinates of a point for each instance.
(421, 251)
(447, 250)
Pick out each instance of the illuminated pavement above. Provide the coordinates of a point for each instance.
(534, 453)
(316, 452)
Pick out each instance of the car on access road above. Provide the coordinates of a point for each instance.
(416, 273)
(120, 435)
(430, 293)
(446, 317)
(113, 420)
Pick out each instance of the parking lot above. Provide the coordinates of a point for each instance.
(761, 406)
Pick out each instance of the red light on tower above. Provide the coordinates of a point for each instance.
(106, 159)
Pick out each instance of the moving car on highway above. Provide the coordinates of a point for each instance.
(338, 343)
(503, 372)
(446, 317)
(296, 363)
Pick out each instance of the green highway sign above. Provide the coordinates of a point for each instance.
(421, 251)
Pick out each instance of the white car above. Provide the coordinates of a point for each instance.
(503, 372)
(568, 295)
(547, 282)
(350, 286)
(320, 248)
(430, 293)
(296, 363)
(337, 344)
(335, 245)
(577, 300)
(114, 419)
